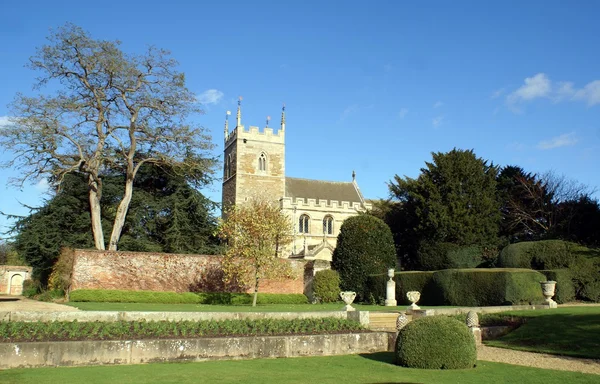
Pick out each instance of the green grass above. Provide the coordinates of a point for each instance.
(89, 306)
(569, 331)
(373, 368)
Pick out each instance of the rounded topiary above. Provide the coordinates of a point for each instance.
(365, 246)
(326, 286)
(436, 342)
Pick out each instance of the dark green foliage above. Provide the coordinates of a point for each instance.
(364, 246)
(118, 296)
(436, 256)
(31, 288)
(583, 263)
(488, 287)
(565, 290)
(166, 214)
(452, 201)
(127, 330)
(436, 342)
(326, 286)
(405, 282)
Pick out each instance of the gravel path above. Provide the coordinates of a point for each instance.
(8, 304)
(538, 360)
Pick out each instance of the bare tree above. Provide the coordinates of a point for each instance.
(110, 110)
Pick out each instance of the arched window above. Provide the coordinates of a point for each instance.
(262, 162)
(228, 167)
(328, 225)
(303, 222)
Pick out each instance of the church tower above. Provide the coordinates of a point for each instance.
(254, 162)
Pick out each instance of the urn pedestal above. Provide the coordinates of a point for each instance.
(548, 290)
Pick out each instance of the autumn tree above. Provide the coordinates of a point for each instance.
(110, 110)
(255, 232)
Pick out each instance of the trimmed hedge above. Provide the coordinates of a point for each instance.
(582, 262)
(488, 287)
(436, 342)
(565, 290)
(463, 287)
(375, 288)
(119, 296)
(326, 286)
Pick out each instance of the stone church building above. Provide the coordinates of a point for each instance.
(254, 166)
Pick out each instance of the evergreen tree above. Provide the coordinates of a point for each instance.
(452, 201)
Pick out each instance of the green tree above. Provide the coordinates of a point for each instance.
(109, 108)
(255, 232)
(364, 246)
(453, 200)
(166, 215)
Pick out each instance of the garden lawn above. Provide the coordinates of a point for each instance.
(91, 306)
(569, 331)
(374, 368)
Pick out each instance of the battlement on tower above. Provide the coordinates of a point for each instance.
(322, 204)
(267, 134)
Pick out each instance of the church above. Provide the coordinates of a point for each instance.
(254, 166)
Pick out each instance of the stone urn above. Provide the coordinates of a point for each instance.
(390, 291)
(348, 297)
(413, 297)
(548, 290)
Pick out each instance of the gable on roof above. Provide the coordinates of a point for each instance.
(322, 190)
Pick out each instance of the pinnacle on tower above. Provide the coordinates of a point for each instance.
(226, 130)
(239, 113)
(283, 117)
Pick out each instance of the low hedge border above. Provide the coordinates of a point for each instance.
(12, 332)
(223, 298)
(464, 287)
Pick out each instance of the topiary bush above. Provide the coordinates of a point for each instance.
(488, 287)
(436, 342)
(365, 246)
(326, 286)
(565, 290)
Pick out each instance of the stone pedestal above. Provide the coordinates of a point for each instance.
(390, 292)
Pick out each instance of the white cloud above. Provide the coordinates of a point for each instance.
(349, 111)
(590, 93)
(540, 86)
(534, 87)
(497, 93)
(438, 104)
(403, 112)
(3, 121)
(42, 185)
(559, 141)
(437, 121)
(210, 96)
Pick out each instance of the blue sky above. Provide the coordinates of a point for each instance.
(373, 87)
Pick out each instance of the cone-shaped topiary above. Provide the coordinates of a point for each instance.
(436, 342)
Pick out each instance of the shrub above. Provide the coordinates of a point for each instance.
(486, 287)
(436, 342)
(565, 290)
(364, 246)
(436, 256)
(118, 296)
(60, 277)
(583, 263)
(326, 286)
(31, 287)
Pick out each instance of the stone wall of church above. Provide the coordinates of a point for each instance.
(94, 269)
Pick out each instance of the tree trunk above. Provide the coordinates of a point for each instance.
(255, 291)
(121, 214)
(94, 197)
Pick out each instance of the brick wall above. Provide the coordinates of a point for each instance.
(94, 269)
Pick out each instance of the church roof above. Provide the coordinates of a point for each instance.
(321, 190)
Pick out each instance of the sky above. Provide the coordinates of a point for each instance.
(373, 87)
